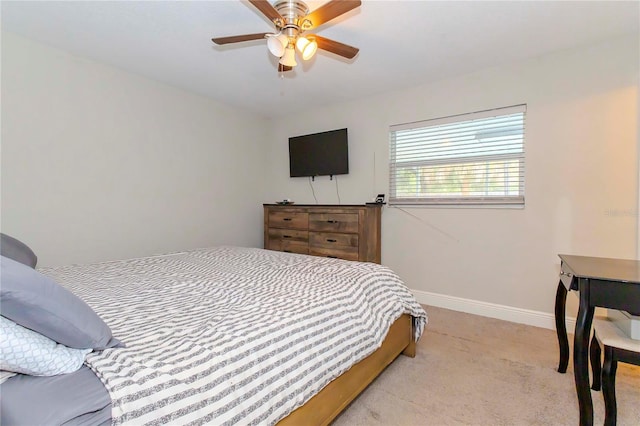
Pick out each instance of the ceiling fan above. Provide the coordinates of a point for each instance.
(291, 19)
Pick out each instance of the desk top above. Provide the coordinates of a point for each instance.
(624, 270)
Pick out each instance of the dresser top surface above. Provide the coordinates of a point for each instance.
(323, 205)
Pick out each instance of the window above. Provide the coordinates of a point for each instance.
(469, 159)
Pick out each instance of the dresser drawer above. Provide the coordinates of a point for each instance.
(347, 253)
(330, 239)
(288, 219)
(289, 240)
(294, 247)
(288, 235)
(334, 222)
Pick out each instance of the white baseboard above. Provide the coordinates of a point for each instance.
(492, 310)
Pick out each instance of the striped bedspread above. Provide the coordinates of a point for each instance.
(233, 335)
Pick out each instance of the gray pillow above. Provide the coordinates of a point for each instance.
(17, 250)
(38, 303)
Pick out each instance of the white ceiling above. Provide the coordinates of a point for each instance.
(402, 43)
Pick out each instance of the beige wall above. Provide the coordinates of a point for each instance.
(101, 164)
(581, 176)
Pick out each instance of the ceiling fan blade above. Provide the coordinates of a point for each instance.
(330, 10)
(239, 38)
(267, 9)
(284, 68)
(336, 47)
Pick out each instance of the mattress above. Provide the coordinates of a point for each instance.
(232, 335)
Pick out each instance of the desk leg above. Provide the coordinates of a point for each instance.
(581, 354)
(561, 328)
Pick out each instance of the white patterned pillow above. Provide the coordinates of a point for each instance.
(25, 351)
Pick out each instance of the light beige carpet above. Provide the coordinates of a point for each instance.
(472, 370)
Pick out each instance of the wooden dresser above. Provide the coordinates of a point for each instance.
(350, 232)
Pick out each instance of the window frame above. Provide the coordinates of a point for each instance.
(503, 200)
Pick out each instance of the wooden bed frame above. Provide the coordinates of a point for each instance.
(336, 396)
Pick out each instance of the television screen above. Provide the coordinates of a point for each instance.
(319, 154)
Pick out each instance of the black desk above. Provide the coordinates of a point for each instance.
(606, 283)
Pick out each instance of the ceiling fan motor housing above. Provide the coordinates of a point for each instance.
(293, 13)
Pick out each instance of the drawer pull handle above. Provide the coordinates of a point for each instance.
(287, 236)
(332, 221)
(287, 219)
(566, 274)
(332, 257)
(331, 240)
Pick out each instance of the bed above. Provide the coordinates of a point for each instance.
(226, 335)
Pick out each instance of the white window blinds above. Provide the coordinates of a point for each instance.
(468, 159)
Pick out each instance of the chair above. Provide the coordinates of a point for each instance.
(617, 347)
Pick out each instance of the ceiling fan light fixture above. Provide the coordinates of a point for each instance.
(306, 47)
(277, 44)
(289, 57)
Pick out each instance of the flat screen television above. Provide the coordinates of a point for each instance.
(319, 154)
